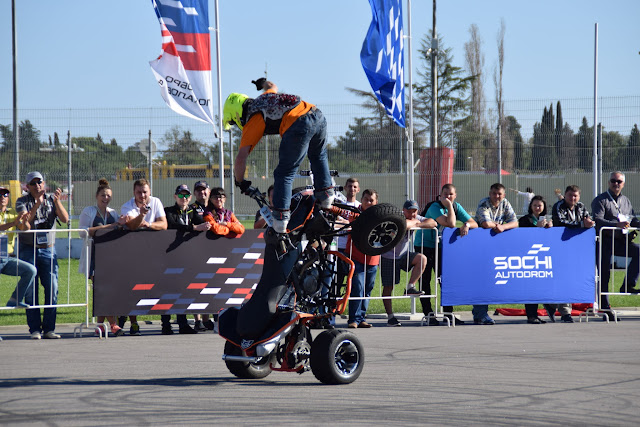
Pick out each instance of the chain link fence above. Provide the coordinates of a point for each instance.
(543, 147)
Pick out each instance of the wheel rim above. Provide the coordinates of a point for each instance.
(347, 357)
(383, 234)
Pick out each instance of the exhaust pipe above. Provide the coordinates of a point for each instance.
(248, 359)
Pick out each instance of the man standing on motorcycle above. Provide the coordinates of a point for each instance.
(303, 129)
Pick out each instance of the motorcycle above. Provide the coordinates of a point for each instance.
(298, 286)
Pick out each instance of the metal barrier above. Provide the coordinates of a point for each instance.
(84, 237)
(446, 316)
(597, 308)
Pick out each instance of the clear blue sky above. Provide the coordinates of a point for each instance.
(74, 53)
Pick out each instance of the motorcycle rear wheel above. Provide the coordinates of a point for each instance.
(246, 370)
(378, 229)
(337, 357)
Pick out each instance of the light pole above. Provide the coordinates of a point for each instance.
(471, 160)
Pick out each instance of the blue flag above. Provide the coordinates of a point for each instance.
(382, 56)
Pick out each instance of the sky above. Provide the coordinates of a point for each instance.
(95, 54)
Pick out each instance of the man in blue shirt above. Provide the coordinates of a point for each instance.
(446, 212)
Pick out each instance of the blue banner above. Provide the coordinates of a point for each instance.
(524, 265)
(382, 56)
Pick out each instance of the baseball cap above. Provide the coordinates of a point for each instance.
(410, 204)
(33, 175)
(4, 190)
(181, 188)
(200, 184)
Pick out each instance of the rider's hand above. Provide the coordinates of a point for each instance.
(244, 186)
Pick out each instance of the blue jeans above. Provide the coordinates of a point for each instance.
(480, 312)
(361, 286)
(26, 272)
(306, 136)
(46, 263)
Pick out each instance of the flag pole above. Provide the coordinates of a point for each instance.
(410, 161)
(219, 81)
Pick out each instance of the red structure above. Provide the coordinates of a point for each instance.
(435, 170)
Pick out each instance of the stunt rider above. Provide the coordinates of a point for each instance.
(303, 129)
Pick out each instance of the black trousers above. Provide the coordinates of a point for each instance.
(430, 253)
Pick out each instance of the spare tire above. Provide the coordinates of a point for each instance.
(378, 229)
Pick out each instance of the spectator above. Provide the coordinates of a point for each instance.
(182, 217)
(446, 212)
(92, 219)
(303, 129)
(202, 192)
(38, 249)
(536, 218)
(351, 188)
(222, 220)
(259, 222)
(11, 266)
(142, 211)
(525, 198)
(365, 269)
(493, 213)
(401, 258)
(572, 213)
(613, 209)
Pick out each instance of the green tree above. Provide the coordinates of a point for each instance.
(584, 146)
(454, 100)
(182, 148)
(631, 158)
(543, 152)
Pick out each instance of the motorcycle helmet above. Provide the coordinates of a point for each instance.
(232, 111)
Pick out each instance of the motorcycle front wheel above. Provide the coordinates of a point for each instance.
(247, 370)
(337, 357)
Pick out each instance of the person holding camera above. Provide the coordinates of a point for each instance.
(38, 249)
(613, 209)
(143, 211)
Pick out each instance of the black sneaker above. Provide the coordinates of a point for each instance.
(567, 318)
(166, 330)
(209, 324)
(186, 329)
(413, 292)
(199, 326)
(393, 322)
(134, 330)
(433, 322)
(122, 320)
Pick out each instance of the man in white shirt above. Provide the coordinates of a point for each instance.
(142, 211)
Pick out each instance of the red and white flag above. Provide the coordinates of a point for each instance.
(183, 70)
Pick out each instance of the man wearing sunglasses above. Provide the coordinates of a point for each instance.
(38, 249)
(612, 209)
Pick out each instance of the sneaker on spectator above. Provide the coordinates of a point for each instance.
(186, 329)
(432, 321)
(166, 330)
(199, 326)
(134, 330)
(13, 303)
(413, 291)
(209, 324)
(364, 324)
(117, 331)
(51, 336)
(567, 318)
(352, 325)
(36, 335)
(122, 320)
(486, 320)
(393, 322)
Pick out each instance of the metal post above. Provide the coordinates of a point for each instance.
(600, 180)
(410, 162)
(16, 126)
(232, 188)
(220, 113)
(595, 114)
(150, 165)
(434, 81)
(499, 154)
(69, 174)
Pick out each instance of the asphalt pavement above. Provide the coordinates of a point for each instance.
(511, 373)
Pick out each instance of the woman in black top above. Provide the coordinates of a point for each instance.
(535, 218)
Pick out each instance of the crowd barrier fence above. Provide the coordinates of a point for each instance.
(614, 267)
(86, 241)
